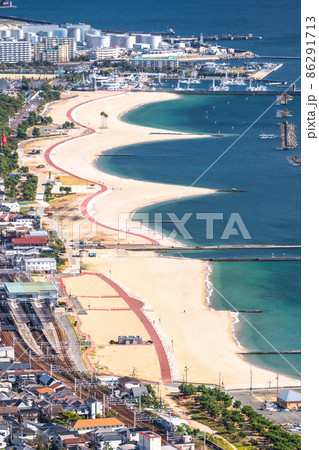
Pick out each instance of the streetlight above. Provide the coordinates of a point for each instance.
(186, 370)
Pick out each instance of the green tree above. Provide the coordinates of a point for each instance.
(36, 132)
(237, 404)
(104, 117)
(66, 417)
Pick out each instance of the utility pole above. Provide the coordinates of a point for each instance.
(251, 381)
(103, 405)
(204, 440)
(277, 378)
(186, 370)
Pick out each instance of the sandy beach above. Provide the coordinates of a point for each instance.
(123, 195)
(173, 290)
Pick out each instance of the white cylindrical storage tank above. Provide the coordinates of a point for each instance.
(94, 32)
(75, 33)
(60, 32)
(154, 41)
(98, 41)
(130, 41)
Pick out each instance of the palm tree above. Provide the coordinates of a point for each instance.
(104, 116)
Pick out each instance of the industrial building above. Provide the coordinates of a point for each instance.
(13, 51)
(40, 291)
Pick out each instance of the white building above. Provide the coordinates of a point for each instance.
(149, 441)
(101, 53)
(95, 407)
(153, 63)
(7, 352)
(38, 264)
(14, 206)
(47, 43)
(15, 51)
(4, 434)
(108, 380)
(170, 421)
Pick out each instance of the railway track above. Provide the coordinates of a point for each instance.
(67, 372)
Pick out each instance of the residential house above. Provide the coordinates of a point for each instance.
(100, 438)
(4, 434)
(149, 441)
(95, 407)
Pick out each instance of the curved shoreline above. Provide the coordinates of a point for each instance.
(103, 188)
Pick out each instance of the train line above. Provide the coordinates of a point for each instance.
(62, 367)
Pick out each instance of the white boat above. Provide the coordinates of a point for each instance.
(213, 87)
(257, 88)
(250, 87)
(239, 81)
(178, 87)
(194, 81)
(267, 136)
(224, 86)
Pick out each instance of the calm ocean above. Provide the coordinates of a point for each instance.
(270, 208)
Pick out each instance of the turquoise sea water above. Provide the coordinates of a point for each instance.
(270, 209)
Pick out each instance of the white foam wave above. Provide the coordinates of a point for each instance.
(209, 285)
(236, 317)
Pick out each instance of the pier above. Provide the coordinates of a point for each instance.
(159, 248)
(283, 352)
(109, 155)
(237, 92)
(258, 258)
(288, 135)
(284, 97)
(283, 113)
